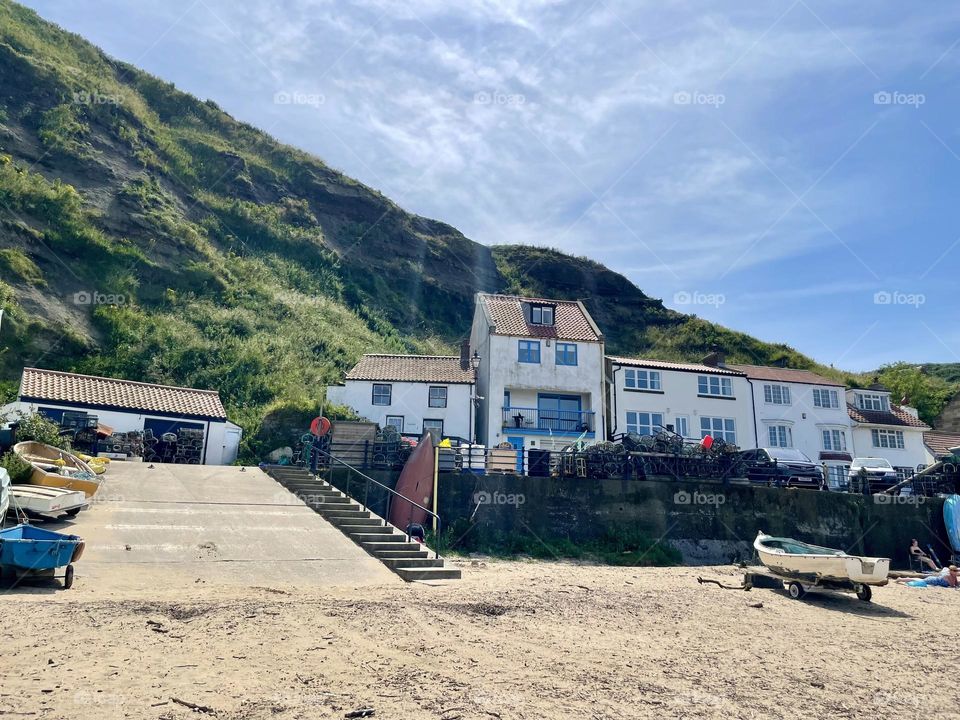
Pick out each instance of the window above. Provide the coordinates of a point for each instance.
(721, 428)
(715, 386)
(824, 398)
(837, 476)
(887, 439)
(780, 436)
(506, 399)
(395, 421)
(872, 401)
(776, 394)
(529, 351)
(835, 440)
(566, 353)
(642, 379)
(682, 427)
(561, 412)
(382, 394)
(437, 397)
(434, 427)
(644, 423)
(541, 314)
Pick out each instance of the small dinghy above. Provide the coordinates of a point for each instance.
(53, 467)
(800, 560)
(40, 501)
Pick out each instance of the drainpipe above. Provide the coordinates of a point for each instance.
(753, 411)
(613, 395)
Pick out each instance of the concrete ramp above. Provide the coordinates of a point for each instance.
(180, 524)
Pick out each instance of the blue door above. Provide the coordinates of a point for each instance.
(517, 443)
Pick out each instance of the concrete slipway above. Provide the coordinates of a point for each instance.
(180, 524)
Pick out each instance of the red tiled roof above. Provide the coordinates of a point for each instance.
(896, 417)
(940, 443)
(571, 319)
(411, 368)
(63, 387)
(789, 375)
(662, 365)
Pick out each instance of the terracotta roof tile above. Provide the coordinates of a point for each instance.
(411, 368)
(763, 372)
(683, 367)
(571, 321)
(940, 443)
(55, 386)
(896, 416)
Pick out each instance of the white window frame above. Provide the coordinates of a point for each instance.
(714, 386)
(547, 313)
(887, 439)
(682, 425)
(875, 402)
(780, 436)
(832, 398)
(834, 439)
(635, 422)
(642, 379)
(395, 417)
(720, 427)
(776, 394)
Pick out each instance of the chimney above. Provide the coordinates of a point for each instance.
(465, 354)
(717, 358)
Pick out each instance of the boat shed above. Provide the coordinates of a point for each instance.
(126, 406)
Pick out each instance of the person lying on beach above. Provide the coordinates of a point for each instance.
(920, 555)
(947, 580)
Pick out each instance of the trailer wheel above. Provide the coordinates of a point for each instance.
(68, 578)
(73, 512)
(796, 590)
(864, 593)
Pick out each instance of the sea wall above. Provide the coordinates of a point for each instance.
(709, 523)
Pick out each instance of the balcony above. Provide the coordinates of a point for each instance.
(549, 421)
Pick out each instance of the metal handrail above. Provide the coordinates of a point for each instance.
(313, 469)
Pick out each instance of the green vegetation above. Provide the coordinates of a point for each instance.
(34, 426)
(927, 393)
(234, 262)
(17, 468)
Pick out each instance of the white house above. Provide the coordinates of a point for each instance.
(882, 429)
(540, 372)
(694, 400)
(803, 410)
(414, 393)
(127, 406)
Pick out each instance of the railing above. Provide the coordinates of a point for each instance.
(564, 421)
(316, 454)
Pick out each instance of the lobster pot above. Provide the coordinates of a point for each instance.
(474, 458)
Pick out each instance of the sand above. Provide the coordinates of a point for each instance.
(510, 640)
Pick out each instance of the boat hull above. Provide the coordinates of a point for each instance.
(73, 474)
(819, 565)
(47, 500)
(951, 519)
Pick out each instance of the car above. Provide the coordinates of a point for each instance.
(871, 475)
(782, 467)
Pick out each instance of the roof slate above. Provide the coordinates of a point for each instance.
(662, 365)
(896, 417)
(776, 374)
(571, 319)
(940, 443)
(411, 368)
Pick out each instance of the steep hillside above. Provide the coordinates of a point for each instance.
(146, 234)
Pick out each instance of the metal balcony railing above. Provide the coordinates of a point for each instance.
(565, 421)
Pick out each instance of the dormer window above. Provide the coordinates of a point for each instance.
(541, 314)
(873, 401)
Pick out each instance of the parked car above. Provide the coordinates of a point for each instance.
(782, 467)
(871, 475)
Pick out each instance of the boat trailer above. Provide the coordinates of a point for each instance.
(797, 585)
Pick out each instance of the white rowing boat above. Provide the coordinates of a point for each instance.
(40, 500)
(800, 560)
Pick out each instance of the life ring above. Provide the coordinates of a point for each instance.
(320, 426)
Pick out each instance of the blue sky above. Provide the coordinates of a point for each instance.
(786, 168)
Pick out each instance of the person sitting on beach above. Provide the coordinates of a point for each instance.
(948, 580)
(920, 555)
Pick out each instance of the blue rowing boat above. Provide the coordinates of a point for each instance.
(26, 550)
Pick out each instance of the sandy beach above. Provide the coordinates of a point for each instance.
(511, 640)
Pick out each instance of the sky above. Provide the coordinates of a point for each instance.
(787, 168)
